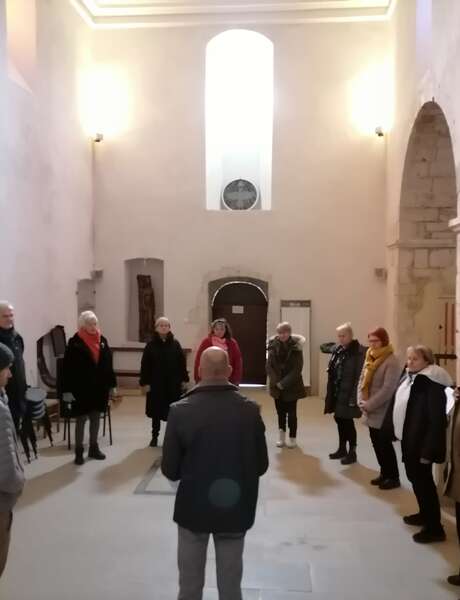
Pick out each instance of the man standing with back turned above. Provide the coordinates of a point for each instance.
(215, 445)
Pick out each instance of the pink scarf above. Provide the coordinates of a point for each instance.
(219, 342)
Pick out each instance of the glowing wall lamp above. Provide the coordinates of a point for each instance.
(105, 101)
(371, 100)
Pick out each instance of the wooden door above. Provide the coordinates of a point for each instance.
(245, 308)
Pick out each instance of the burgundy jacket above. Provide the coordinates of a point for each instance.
(234, 355)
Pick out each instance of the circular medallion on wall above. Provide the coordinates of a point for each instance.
(240, 194)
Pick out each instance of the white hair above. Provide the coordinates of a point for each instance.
(162, 320)
(345, 327)
(4, 305)
(86, 317)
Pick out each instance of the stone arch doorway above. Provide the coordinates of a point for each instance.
(427, 245)
(245, 306)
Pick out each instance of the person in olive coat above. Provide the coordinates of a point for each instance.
(284, 370)
(88, 382)
(344, 371)
(163, 375)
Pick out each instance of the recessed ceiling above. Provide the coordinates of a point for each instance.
(182, 13)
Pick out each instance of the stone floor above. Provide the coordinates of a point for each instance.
(104, 530)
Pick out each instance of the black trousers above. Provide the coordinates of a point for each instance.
(385, 454)
(421, 478)
(287, 411)
(156, 426)
(347, 432)
(94, 420)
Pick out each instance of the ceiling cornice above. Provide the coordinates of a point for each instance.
(119, 14)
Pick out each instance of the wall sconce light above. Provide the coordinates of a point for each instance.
(98, 137)
(379, 131)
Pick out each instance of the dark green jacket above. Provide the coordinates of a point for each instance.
(284, 367)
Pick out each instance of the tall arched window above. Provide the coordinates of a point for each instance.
(239, 117)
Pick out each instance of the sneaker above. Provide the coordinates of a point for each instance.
(377, 481)
(281, 439)
(340, 453)
(292, 443)
(390, 484)
(428, 537)
(350, 458)
(416, 519)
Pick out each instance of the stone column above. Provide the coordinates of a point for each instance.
(454, 225)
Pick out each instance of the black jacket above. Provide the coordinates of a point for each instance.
(284, 366)
(344, 371)
(424, 431)
(215, 445)
(17, 385)
(164, 369)
(89, 382)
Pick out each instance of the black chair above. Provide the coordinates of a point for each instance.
(35, 412)
(69, 418)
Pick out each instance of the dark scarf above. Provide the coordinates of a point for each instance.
(9, 337)
(338, 358)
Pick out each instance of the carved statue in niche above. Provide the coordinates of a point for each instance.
(146, 307)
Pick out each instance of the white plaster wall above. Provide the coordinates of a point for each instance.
(45, 179)
(325, 234)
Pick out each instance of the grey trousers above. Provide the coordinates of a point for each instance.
(6, 519)
(191, 556)
(94, 419)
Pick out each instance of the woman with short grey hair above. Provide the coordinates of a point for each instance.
(88, 382)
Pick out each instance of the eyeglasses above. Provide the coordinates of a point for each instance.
(374, 341)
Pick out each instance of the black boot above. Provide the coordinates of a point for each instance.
(454, 579)
(428, 536)
(153, 442)
(79, 460)
(94, 452)
(350, 458)
(378, 480)
(390, 484)
(340, 453)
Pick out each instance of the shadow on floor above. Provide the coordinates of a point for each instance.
(304, 470)
(130, 469)
(404, 503)
(42, 486)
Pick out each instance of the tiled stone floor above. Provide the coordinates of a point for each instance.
(322, 532)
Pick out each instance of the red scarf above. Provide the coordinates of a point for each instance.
(93, 341)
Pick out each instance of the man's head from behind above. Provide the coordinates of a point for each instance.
(6, 315)
(214, 364)
(6, 360)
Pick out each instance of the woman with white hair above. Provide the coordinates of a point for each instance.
(344, 372)
(88, 382)
(163, 375)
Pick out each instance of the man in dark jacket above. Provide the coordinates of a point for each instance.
(215, 445)
(16, 388)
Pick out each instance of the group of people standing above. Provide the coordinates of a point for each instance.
(406, 404)
(398, 404)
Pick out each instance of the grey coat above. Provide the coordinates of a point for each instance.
(381, 391)
(11, 471)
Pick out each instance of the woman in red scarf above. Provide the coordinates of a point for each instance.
(221, 336)
(88, 382)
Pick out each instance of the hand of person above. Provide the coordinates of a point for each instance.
(424, 461)
(279, 386)
(113, 393)
(145, 389)
(184, 387)
(68, 397)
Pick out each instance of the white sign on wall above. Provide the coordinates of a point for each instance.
(298, 314)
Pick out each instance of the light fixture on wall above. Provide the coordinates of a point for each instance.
(379, 131)
(98, 137)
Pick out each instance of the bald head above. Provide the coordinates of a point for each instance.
(214, 364)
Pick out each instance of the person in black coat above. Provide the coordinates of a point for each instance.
(417, 417)
(17, 385)
(163, 375)
(344, 371)
(215, 445)
(284, 370)
(88, 382)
